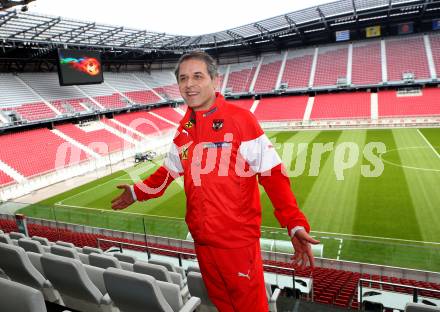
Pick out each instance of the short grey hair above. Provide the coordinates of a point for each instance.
(211, 64)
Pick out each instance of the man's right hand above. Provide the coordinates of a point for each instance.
(124, 200)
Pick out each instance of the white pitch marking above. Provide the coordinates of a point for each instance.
(428, 143)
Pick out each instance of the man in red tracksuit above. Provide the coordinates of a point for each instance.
(222, 153)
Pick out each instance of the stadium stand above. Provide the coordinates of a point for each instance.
(425, 104)
(42, 159)
(169, 114)
(133, 88)
(268, 74)
(281, 108)
(434, 39)
(331, 65)
(106, 96)
(341, 105)
(243, 103)
(162, 82)
(96, 138)
(330, 286)
(406, 55)
(144, 122)
(5, 179)
(298, 67)
(33, 111)
(113, 123)
(367, 63)
(69, 106)
(240, 77)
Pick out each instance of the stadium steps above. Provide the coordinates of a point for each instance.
(163, 119)
(430, 58)
(125, 129)
(255, 106)
(31, 89)
(118, 133)
(309, 108)
(181, 110)
(147, 87)
(7, 171)
(75, 143)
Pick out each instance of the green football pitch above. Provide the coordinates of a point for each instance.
(370, 195)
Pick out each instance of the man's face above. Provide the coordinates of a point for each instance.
(195, 85)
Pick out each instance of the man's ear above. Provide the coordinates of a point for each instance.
(216, 82)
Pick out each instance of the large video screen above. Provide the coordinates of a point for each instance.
(76, 67)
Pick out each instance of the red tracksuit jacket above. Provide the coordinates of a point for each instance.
(220, 153)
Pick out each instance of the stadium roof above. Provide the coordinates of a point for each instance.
(44, 30)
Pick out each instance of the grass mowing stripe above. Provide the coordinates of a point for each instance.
(423, 185)
(433, 136)
(333, 201)
(282, 150)
(382, 198)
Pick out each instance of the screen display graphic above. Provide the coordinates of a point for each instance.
(76, 67)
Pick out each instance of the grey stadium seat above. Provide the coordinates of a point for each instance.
(124, 258)
(197, 288)
(43, 240)
(77, 290)
(30, 245)
(1, 232)
(16, 265)
(272, 297)
(88, 250)
(160, 273)
(419, 307)
(5, 239)
(104, 261)
(16, 235)
(65, 244)
(170, 267)
(64, 251)
(134, 292)
(17, 297)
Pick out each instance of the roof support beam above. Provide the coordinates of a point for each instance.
(49, 23)
(109, 34)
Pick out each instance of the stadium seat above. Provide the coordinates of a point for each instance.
(65, 244)
(197, 288)
(30, 245)
(272, 297)
(71, 280)
(136, 292)
(124, 258)
(104, 261)
(88, 250)
(160, 273)
(64, 251)
(43, 240)
(35, 259)
(169, 266)
(1, 232)
(5, 239)
(16, 235)
(17, 297)
(16, 265)
(419, 307)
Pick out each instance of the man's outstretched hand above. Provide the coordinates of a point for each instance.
(303, 249)
(124, 200)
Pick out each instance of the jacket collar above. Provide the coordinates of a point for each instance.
(190, 116)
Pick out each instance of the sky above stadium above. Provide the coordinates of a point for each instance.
(195, 17)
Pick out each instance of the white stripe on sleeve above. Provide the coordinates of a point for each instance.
(172, 161)
(260, 154)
